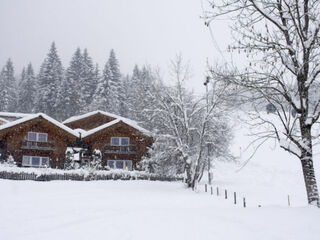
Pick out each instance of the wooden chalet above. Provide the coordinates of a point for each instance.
(120, 140)
(35, 140)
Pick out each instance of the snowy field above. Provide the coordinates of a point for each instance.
(140, 210)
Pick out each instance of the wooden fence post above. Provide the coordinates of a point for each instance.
(217, 191)
(211, 190)
(205, 188)
(289, 200)
(235, 197)
(244, 202)
(225, 194)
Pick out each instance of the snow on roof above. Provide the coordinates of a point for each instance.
(33, 116)
(10, 115)
(120, 119)
(75, 118)
(3, 120)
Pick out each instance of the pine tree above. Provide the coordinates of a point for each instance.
(27, 90)
(70, 91)
(115, 95)
(140, 94)
(50, 80)
(101, 98)
(89, 81)
(8, 95)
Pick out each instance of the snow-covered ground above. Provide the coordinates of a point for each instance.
(140, 210)
(269, 176)
(162, 210)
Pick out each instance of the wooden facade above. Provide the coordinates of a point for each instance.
(121, 142)
(14, 141)
(137, 147)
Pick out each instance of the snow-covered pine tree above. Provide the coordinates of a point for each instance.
(115, 84)
(101, 97)
(8, 94)
(89, 81)
(50, 80)
(70, 91)
(140, 94)
(27, 89)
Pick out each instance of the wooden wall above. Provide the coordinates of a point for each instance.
(103, 137)
(15, 135)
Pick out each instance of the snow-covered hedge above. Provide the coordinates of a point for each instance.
(48, 174)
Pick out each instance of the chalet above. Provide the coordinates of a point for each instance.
(120, 140)
(35, 140)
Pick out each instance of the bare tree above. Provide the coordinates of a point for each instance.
(186, 126)
(281, 41)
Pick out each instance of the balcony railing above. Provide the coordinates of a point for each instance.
(131, 149)
(48, 146)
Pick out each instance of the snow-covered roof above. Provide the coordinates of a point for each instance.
(33, 116)
(76, 118)
(10, 116)
(3, 120)
(120, 119)
(16, 115)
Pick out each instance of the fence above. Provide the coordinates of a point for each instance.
(234, 196)
(83, 177)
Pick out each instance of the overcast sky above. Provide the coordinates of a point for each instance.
(140, 31)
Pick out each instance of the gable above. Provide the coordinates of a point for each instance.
(118, 129)
(89, 122)
(20, 128)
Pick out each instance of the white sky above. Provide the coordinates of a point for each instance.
(140, 31)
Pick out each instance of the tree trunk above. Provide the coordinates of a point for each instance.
(310, 179)
(308, 169)
(189, 175)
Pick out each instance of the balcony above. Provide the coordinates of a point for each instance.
(46, 146)
(131, 149)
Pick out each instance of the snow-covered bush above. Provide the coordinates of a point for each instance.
(10, 161)
(96, 160)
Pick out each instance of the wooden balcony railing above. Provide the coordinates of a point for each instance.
(48, 146)
(131, 149)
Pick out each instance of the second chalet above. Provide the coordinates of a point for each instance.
(121, 141)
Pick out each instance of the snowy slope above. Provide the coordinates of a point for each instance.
(269, 176)
(140, 210)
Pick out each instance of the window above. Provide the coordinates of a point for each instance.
(32, 136)
(120, 164)
(120, 141)
(34, 161)
(125, 141)
(37, 137)
(110, 163)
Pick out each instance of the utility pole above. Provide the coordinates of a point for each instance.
(206, 82)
